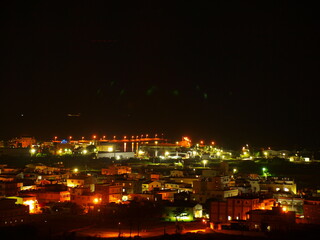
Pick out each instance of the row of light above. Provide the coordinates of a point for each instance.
(114, 137)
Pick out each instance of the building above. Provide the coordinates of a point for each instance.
(151, 185)
(271, 220)
(10, 188)
(311, 209)
(30, 201)
(110, 192)
(275, 185)
(236, 208)
(116, 170)
(12, 213)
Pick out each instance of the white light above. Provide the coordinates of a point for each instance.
(286, 189)
(85, 151)
(110, 149)
(32, 151)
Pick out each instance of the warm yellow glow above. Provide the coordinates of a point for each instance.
(156, 142)
(94, 136)
(85, 151)
(31, 204)
(284, 209)
(186, 139)
(96, 201)
(75, 170)
(204, 162)
(218, 154)
(32, 151)
(110, 149)
(166, 153)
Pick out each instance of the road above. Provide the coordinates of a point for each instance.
(152, 231)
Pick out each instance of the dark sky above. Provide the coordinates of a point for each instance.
(235, 72)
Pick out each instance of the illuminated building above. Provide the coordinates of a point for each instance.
(23, 142)
(110, 192)
(236, 208)
(278, 184)
(276, 219)
(30, 201)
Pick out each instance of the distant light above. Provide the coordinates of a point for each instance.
(286, 189)
(33, 150)
(96, 200)
(85, 151)
(110, 149)
(284, 209)
(75, 170)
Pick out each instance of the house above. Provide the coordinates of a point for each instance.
(27, 200)
(110, 192)
(79, 181)
(311, 209)
(12, 213)
(116, 170)
(276, 219)
(236, 208)
(151, 185)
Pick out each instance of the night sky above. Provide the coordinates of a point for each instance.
(235, 72)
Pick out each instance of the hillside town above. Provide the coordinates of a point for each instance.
(135, 184)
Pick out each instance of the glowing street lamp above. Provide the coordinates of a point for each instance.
(204, 162)
(76, 170)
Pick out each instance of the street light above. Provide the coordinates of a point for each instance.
(204, 162)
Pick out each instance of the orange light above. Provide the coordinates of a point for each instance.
(70, 137)
(201, 142)
(104, 137)
(96, 200)
(284, 209)
(55, 138)
(212, 143)
(94, 136)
